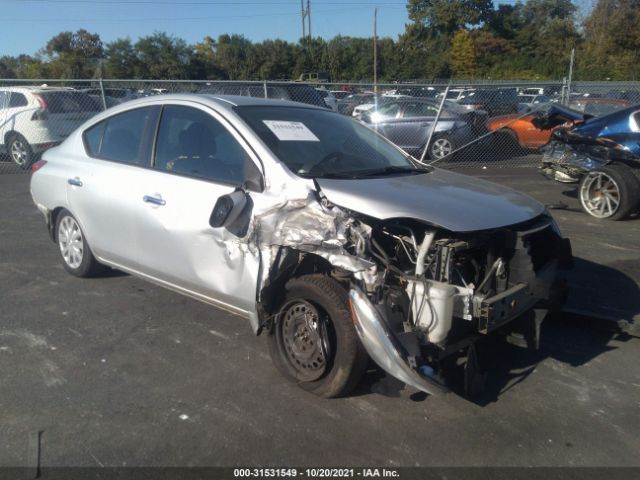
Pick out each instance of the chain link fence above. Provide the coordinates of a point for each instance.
(457, 125)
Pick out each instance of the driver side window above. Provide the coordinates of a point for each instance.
(192, 143)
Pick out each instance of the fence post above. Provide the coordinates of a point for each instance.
(435, 122)
(264, 84)
(573, 57)
(104, 100)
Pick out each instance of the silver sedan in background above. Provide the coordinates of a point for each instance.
(319, 231)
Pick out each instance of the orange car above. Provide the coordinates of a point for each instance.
(522, 130)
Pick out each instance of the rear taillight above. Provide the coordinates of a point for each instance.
(41, 101)
(41, 113)
(38, 165)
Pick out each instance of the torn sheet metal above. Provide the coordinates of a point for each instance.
(305, 225)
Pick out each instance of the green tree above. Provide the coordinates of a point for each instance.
(162, 56)
(231, 55)
(544, 41)
(611, 48)
(448, 16)
(463, 55)
(73, 55)
(120, 59)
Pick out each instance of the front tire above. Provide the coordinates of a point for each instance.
(77, 258)
(611, 192)
(313, 342)
(20, 151)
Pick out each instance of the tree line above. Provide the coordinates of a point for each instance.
(462, 39)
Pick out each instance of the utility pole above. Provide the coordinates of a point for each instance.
(306, 14)
(309, 16)
(573, 57)
(375, 51)
(303, 13)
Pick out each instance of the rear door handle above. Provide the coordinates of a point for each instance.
(154, 200)
(76, 182)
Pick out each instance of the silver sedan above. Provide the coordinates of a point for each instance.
(320, 232)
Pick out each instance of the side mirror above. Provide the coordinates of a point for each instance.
(227, 209)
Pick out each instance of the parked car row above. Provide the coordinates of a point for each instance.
(404, 114)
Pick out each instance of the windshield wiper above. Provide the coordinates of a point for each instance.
(330, 175)
(391, 169)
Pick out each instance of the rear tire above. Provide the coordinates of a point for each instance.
(20, 151)
(441, 147)
(313, 342)
(77, 258)
(610, 192)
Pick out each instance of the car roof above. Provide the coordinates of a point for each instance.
(615, 101)
(221, 101)
(39, 88)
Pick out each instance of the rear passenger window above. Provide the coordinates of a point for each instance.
(120, 138)
(93, 138)
(191, 142)
(17, 100)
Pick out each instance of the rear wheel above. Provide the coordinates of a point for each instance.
(77, 257)
(611, 192)
(441, 146)
(20, 151)
(313, 341)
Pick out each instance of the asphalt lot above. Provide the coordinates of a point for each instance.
(115, 371)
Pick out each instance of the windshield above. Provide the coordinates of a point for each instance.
(323, 144)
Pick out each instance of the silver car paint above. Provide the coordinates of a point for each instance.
(380, 346)
(441, 198)
(174, 246)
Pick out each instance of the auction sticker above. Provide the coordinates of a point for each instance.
(291, 131)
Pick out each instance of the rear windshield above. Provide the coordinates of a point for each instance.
(69, 102)
(305, 94)
(489, 96)
(320, 143)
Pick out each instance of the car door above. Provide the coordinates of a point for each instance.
(412, 128)
(103, 181)
(198, 159)
(383, 119)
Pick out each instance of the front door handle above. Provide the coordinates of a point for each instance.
(76, 182)
(155, 200)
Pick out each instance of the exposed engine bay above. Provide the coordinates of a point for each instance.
(418, 293)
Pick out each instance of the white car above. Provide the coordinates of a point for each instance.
(526, 103)
(33, 119)
(329, 98)
(362, 108)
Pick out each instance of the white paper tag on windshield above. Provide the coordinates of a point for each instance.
(291, 131)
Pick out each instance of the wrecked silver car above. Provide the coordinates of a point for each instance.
(326, 237)
(601, 154)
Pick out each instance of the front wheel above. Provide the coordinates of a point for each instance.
(20, 151)
(313, 342)
(611, 192)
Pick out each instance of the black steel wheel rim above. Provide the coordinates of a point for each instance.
(304, 340)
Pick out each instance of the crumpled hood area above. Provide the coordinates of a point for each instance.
(441, 198)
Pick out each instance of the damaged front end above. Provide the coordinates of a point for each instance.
(441, 292)
(418, 293)
(581, 145)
